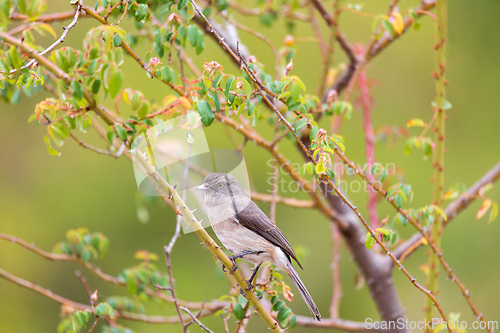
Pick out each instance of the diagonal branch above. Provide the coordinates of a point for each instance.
(452, 210)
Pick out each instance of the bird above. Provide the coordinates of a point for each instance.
(246, 231)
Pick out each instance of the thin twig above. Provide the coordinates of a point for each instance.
(60, 40)
(170, 246)
(196, 320)
(369, 142)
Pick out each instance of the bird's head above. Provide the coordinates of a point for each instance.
(222, 189)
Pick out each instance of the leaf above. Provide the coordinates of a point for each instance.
(51, 150)
(369, 241)
(115, 83)
(398, 22)
(193, 35)
(320, 168)
(141, 12)
(228, 87)
(446, 105)
(215, 99)
(122, 133)
(295, 92)
(278, 306)
(300, 124)
(389, 27)
(77, 89)
(283, 314)
(484, 208)
(117, 40)
(416, 122)
(216, 81)
(206, 113)
(238, 311)
(493, 212)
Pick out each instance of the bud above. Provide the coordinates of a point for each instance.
(252, 59)
(93, 297)
(321, 136)
(153, 62)
(289, 40)
(289, 67)
(331, 96)
(174, 17)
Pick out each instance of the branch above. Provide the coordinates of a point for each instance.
(106, 277)
(79, 306)
(452, 210)
(439, 149)
(58, 41)
(196, 320)
(131, 52)
(334, 323)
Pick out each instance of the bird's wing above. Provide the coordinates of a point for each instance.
(253, 218)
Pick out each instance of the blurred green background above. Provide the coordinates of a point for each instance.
(42, 196)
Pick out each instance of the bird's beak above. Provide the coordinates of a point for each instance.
(202, 187)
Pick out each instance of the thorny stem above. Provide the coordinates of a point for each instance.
(438, 175)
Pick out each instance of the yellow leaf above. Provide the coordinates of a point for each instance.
(416, 122)
(484, 208)
(320, 168)
(48, 28)
(398, 22)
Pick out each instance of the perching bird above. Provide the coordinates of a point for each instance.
(247, 232)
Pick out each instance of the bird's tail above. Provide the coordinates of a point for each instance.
(303, 292)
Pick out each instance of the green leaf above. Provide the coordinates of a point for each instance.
(115, 83)
(295, 92)
(51, 150)
(278, 306)
(141, 12)
(389, 27)
(394, 238)
(398, 200)
(117, 40)
(228, 87)
(200, 45)
(446, 105)
(206, 113)
(293, 322)
(216, 81)
(215, 99)
(369, 241)
(77, 89)
(122, 133)
(96, 86)
(167, 74)
(182, 4)
(193, 35)
(238, 311)
(251, 107)
(300, 124)
(283, 314)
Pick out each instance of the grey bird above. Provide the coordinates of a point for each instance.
(246, 231)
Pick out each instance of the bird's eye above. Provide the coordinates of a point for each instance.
(220, 185)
